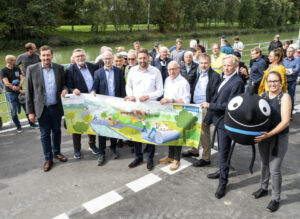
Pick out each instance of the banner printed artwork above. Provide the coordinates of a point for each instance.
(147, 122)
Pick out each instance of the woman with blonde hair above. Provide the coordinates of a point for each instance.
(276, 58)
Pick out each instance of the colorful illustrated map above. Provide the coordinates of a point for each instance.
(147, 122)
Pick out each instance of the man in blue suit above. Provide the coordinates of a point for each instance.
(230, 86)
(108, 80)
(80, 79)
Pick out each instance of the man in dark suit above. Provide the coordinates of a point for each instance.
(108, 80)
(80, 79)
(45, 84)
(230, 86)
(204, 89)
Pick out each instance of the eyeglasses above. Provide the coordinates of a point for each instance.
(79, 56)
(130, 59)
(253, 53)
(172, 69)
(106, 59)
(273, 82)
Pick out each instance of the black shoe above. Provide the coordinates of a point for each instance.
(273, 205)
(135, 163)
(120, 143)
(114, 155)
(201, 163)
(150, 164)
(189, 154)
(260, 193)
(101, 159)
(215, 175)
(221, 191)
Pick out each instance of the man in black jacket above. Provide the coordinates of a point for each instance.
(205, 87)
(188, 68)
(80, 79)
(276, 43)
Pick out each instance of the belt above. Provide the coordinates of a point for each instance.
(51, 106)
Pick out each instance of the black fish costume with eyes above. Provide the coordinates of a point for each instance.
(246, 116)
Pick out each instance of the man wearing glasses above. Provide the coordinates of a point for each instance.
(257, 69)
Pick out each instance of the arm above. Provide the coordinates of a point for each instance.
(69, 80)
(122, 85)
(285, 108)
(63, 81)
(159, 88)
(96, 83)
(129, 85)
(296, 68)
(29, 96)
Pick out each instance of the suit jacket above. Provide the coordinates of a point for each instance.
(74, 78)
(220, 100)
(191, 75)
(100, 82)
(212, 85)
(35, 94)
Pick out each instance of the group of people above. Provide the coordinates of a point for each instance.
(167, 75)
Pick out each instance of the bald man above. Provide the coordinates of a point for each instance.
(12, 78)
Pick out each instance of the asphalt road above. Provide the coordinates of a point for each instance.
(69, 189)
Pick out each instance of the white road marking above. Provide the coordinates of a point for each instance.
(183, 164)
(102, 202)
(61, 216)
(143, 182)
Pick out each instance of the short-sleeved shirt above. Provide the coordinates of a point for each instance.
(27, 60)
(10, 74)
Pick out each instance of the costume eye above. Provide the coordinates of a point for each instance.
(235, 103)
(264, 107)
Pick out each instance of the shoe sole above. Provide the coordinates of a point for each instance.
(90, 149)
(77, 157)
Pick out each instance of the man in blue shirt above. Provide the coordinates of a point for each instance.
(204, 88)
(257, 69)
(292, 68)
(80, 79)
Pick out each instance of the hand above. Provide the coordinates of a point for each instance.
(64, 92)
(164, 101)
(16, 88)
(76, 92)
(94, 93)
(22, 91)
(263, 136)
(144, 98)
(204, 105)
(243, 71)
(252, 83)
(31, 117)
(132, 98)
(23, 73)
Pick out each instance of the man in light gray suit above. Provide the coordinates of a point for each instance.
(45, 84)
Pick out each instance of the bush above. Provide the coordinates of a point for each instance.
(67, 42)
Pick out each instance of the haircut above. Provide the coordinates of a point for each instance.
(205, 56)
(193, 43)
(178, 40)
(118, 56)
(163, 48)
(143, 50)
(105, 48)
(120, 49)
(278, 53)
(29, 46)
(9, 57)
(233, 57)
(188, 53)
(216, 44)
(136, 42)
(236, 38)
(131, 51)
(275, 73)
(45, 48)
(257, 50)
(78, 50)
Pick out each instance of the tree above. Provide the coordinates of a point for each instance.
(186, 121)
(247, 13)
(70, 116)
(80, 127)
(88, 118)
(231, 11)
(104, 115)
(72, 10)
(165, 15)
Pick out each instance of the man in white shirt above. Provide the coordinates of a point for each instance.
(238, 45)
(176, 90)
(144, 83)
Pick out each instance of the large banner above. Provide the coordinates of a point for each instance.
(147, 122)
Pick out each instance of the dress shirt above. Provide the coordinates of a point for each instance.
(50, 85)
(177, 89)
(148, 82)
(188, 68)
(200, 88)
(226, 78)
(110, 81)
(86, 74)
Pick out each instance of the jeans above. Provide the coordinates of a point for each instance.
(49, 123)
(77, 141)
(102, 145)
(291, 90)
(15, 108)
(138, 150)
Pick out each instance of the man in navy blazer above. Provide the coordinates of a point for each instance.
(80, 79)
(108, 80)
(230, 86)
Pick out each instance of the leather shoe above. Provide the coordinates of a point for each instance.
(221, 191)
(166, 160)
(175, 164)
(47, 166)
(215, 175)
(201, 163)
(135, 163)
(260, 193)
(189, 154)
(150, 164)
(61, 158)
